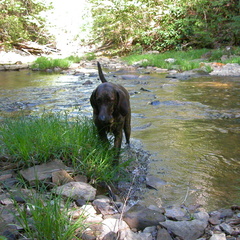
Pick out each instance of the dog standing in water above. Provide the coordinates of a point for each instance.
(111, 110)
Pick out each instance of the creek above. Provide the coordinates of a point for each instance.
(191, 127)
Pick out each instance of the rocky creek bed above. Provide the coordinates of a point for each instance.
(109, 218)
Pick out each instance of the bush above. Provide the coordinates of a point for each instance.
(20, 21)
(162, 25)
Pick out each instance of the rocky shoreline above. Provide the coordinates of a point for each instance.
(106, 217)
(116, 218)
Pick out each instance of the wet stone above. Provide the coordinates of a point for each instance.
(226, 213)
(226, 228)
(154, 182)
(176, 213)
(140, 217)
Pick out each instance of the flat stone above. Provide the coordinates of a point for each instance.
(163, 234)
(175, 213)
(154, 182)
(44, 171)
(187, 230)
(226, 228)
(140, 217)
(76, 190)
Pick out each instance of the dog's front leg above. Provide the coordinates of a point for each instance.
(102, 135)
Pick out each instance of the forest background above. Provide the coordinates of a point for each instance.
(127, 26)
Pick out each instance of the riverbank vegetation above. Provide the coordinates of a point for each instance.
(133, 26)
(163, 25)
(21, 21)
(43, 63)
(50, 218)
(182, 60)
(26, 141)
(185, 60)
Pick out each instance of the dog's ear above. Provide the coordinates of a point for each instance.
(122, 104)
(93, 102)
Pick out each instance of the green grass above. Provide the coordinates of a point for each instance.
(27, 141)
(47, 217)
(43, 63)
(185, 60)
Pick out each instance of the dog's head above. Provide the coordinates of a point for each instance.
(109, 100)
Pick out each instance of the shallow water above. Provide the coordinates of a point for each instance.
(191, 127)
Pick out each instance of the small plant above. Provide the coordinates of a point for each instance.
(74, 59)
(43, 63)
(47, 217)
(90, 56)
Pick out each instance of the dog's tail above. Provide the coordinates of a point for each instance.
(100, 73)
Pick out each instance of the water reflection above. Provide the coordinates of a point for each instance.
(195, 133)
(192, 129)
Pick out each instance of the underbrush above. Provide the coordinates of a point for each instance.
(184, 60)
(27, 141)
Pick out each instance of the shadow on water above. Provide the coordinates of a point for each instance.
(191, 127)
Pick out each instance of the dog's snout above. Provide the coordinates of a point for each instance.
(105, 118)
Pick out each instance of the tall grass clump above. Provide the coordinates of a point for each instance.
(43, 63)
(34, 140)
(47, 217)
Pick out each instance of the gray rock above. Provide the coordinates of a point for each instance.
(202, 216)
(226, 228)
(230, 69)
(104, 206)
(163, 234)
(154, 182)
(76, 190)
(129, 77)
(140, 217)
(188, 74)
(110, 236)
(187, 230)
(226, 213)
(214, 218)
(175, 213)
(220, 236)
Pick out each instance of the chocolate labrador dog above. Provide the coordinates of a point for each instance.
(111, 110)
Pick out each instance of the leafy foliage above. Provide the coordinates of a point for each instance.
(163, 25)
(20, 21)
